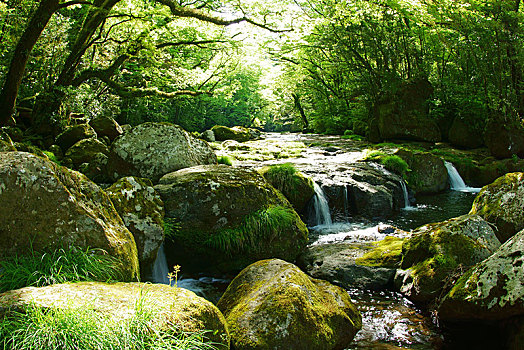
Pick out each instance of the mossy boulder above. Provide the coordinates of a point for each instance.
(342, 264)
(142, 211)
(491, 290)
(236, 133)
(295, 186)
(152, 150)
(174, 308)
(384, 253)
(428, 173)
(96, 169)
(404, 114)
(106, 126)
(502, 204)
(273, 305)
(434, 251)
(84, 151)
(46, 207)
(226, 218)
(73, 134)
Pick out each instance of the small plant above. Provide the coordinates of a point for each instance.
(173, 276)
(171, 228)
(227, 160)
(52, 157)
(348, 132)
(59, 266)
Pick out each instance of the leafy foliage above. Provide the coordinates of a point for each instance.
(59, 266)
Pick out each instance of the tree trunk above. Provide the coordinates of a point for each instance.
(21, 54)
(296, 98)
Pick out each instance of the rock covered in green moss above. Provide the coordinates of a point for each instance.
(174, 308)
(339, 263)
(84, 151)
(106, 126)
(273, 305)
(228, 218)
(295, 186)
(73, 134)
(45, 207)
(142, 211)
(236, 133)
(428, 173)
(96, 169)
(385, 253)
(434, 251)
(491, 290)
(152, 150)
(502, 204)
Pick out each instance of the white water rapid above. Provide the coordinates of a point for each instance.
(455, 180)
(321, 207)
(407, 204)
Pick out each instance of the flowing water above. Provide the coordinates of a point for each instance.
(390, 321)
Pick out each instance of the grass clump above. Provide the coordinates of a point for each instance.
(261, 226)
(59, 266)
(84, 328)
(391, 162)
(227, 160)
(52, 157)
(171, 228)
(283, 177)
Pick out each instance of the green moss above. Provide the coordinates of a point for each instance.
(395, 164)
(52, 157)
(227, 160)
(386, 253)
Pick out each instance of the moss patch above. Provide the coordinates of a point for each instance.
(386, 253)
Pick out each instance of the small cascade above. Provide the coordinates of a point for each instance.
(321, 207)
(455, 180)
(407, 204)
(160, 268)
(346, 204)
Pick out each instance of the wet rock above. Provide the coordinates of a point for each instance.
(106, 126)
(435, 251)
(273, 305)
(428, 173)
(73, 134)
(337, 264)
(84, 151)
(152, 150)
(174, 309)
(236, 133)
(142, 211)
(228, 218)
(502, 204)
(491, 290)
(46, 207)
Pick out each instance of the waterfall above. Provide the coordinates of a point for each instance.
(455, 180)
(407, 204)
(160, 268)
(321, 207)
(346, 204)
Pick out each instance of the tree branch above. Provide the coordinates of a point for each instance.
(74, 2)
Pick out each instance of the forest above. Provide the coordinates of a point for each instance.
(318, 66)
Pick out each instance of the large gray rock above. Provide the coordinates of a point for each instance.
(434, 251)
(502, 204)
(228, 218)
(84, 151)
(152, 150)
(428, 173)
(492, 290)
(142, 211)
(273, 305)
(172, 309)
(106, 126)
(46, 207)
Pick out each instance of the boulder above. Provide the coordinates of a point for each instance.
(433, 252)
(504, 137)
(337, 263)
(404, 114)
(96, 169)
(84, 151)
(463, 134)
(428, 173)
(142, 211)
(152, 150)
(236, 133)
(172, 309)
(491, 290)
(46, 207)
(502, 204)
(295, 186)
(73, 134)
(273, 305)
(106, 126)
(208, 136)
(228, 218)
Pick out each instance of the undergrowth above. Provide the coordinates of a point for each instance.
(84, 328)
(261, 226)
(59, 266)
(283, 177)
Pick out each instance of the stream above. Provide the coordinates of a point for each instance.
(390, 321)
